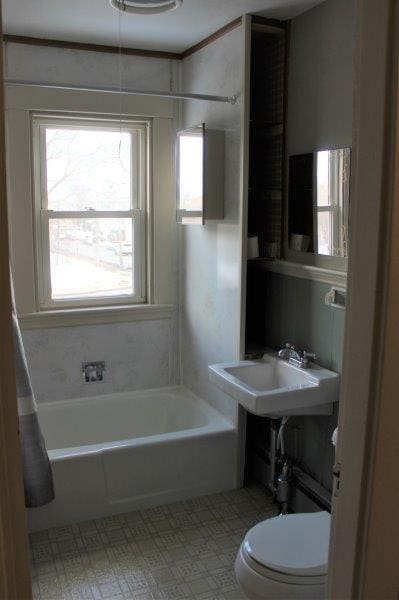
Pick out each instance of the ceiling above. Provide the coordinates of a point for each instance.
(94, 21)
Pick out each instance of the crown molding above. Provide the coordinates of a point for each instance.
(87, 47)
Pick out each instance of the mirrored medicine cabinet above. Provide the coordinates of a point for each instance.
(318, 206)
(199, 175)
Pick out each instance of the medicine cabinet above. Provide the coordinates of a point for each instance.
(200, 175)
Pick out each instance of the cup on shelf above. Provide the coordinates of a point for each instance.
(299, 242)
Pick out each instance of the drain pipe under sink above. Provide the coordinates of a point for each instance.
(274, 428)
(283, 492)
(279, 484)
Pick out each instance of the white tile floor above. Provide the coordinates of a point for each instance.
(184, 550)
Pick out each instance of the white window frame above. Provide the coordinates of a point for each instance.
(338, 210)
(42, 215)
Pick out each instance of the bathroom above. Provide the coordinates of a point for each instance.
(186, 183)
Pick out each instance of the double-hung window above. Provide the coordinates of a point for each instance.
(90, 179)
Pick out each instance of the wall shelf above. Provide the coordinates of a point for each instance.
(292, 269)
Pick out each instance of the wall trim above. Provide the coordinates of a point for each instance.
(34, 41)
(284, 267)
(212, 38)
(88, 47)
(268, 22)
(95, 316)
(68, 45)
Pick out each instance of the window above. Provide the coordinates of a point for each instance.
(90, 211)
(332, 202)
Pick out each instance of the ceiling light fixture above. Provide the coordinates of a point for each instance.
(145, 7)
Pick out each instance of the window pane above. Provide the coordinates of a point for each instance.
(90, 168)
(91, 258)
(323, 178)
(324, 228)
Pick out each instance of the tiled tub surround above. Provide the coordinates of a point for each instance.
(121, 452)
(184, 550)
(138, 355)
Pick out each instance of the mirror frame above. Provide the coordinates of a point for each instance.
(322, 261)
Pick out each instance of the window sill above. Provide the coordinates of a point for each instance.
(95, 316)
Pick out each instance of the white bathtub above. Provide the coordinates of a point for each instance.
(125, 451)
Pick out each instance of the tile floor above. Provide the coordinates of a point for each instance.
(184, 550)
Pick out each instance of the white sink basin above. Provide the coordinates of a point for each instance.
(273, 387)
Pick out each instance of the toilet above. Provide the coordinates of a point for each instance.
(285, 558)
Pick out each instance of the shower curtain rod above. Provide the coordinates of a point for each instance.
(133, 92)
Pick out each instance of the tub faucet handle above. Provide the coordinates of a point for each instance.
(93, 371)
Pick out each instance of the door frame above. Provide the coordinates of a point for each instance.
(14, 562)
(365, 438)
(363, 510)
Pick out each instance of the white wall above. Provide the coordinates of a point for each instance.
(79, 67)
(138, 354)
(210, 254)
(320, 85)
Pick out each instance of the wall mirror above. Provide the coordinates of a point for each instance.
(318, 205)
(200, 175)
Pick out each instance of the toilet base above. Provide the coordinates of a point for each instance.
(258, 587)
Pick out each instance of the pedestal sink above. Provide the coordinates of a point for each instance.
(273, 387)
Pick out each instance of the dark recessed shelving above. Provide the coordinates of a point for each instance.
(267, 129)
(263, 123)
(267, 122)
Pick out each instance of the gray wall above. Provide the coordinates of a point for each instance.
(320, 98)
(210, 255)
(320, 82)
(296, 313)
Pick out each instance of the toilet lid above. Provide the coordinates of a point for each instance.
(293, 544)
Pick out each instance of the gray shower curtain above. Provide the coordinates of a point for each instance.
(38, 480)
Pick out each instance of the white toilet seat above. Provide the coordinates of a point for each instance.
(295, 544)
(278, 576)
(285, 557)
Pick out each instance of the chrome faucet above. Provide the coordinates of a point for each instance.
(288, 352)
(299, 359)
